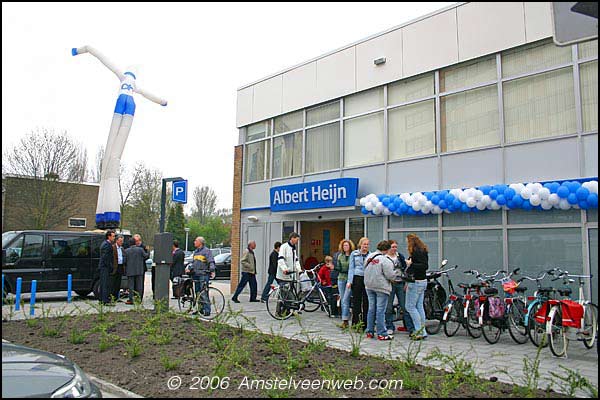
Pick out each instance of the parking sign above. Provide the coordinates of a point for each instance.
(179, 194)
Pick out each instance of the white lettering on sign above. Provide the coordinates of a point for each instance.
(332, 193)
(285, 197)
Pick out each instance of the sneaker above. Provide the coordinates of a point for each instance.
(390, 331)
(402, 329)
(388, 337)
(370, 335)
(344, 325)
(417, 337)
(235, 300)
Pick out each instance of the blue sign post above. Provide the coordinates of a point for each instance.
(180, 191)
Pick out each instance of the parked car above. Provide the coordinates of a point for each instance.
(223, 266)
(28, 372)
(188, 258)
(220, 250)
(49, 257)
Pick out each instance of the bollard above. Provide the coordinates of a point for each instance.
(32, 302)
(18, 295)
(69, 287)
(2, 289)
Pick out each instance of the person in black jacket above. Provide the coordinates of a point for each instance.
(417, 265)
(106, 265)
(272, 272)
(177, 266)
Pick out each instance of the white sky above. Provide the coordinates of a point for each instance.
(194, 55)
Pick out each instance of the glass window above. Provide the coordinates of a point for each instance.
(588, 74)
(412, 130)
(429, 238)
(472, 218)
(539, 106)
(374, 231)
(588, 49)
(287, 155)
(474, 249)
(32, 246)
(289, 122)
(363, 140)
(467, 74)
(592, 215)
(534, 57)
(552, 216)
(410, 89)
(323, 113)
(536, 250)
(470, 119)
(77, 222)
(69, 247)
(363, 102)
(323, 148)
(257, 131)
(287, 229)
(255, 161)
(593, 243)
(357, 229)
(413, 221)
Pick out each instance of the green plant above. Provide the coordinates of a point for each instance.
(169, 364)
(531, 376)
(356, 338)
(106, 341)
(276, 343)
(571, 381)
(412, 354)
(161, 338)
(133, 347)
(77, 337)
(462, 371)
(31, 322)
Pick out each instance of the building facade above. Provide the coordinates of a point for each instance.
(473, 95)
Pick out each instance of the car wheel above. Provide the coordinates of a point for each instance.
(82, 293)
(96, 289)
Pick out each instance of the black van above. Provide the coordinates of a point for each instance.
(49, 257)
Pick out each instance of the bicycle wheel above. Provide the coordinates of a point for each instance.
(186, 301)
(276, 306)
(216, 304)
(516, 321)
(453, 319)
(490, 328)
(434, 311)
(313, 301)
(535, 330)
(558, 335)
(590, 325)
(472, 320)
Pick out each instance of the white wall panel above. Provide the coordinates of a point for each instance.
(538, 20)
(429, 44)
(590, 155)
(300, 87)
(472, 169)
(370, 179)
(413, 176)
(336, 75)
(484, 28)
(368, 74)
(256, 195)
(244, 106)
(267, 98)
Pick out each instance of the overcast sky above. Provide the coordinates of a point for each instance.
(194, 55)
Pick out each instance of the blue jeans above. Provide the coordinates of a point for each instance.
(377, 305)
(267, 289)
(398, 291)
(202, 281)
(247, 277)
(414, 305)
(345, 294)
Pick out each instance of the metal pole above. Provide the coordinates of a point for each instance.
(187, 232)
(163, 194)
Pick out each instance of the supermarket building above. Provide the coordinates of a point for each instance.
(473, 95)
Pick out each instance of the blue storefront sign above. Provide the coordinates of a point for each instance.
(322, 194)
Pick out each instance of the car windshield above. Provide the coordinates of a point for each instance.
(7, 237)
(215, 252)
(188, 253)
(221, 257)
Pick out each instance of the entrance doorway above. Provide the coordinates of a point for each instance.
(319, 239)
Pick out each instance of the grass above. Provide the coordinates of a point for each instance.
(168, 363)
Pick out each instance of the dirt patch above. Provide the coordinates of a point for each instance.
(143, 351)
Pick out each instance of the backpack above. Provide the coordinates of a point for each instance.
(496, 307)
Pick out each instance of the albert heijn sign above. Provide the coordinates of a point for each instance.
(321, 194)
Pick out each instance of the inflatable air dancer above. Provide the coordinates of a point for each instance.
(108, 211)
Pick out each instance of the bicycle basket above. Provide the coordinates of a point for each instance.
(182, 286)
(510, 286)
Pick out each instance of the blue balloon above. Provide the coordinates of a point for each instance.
(429, 195)
(442, 194)
(404, 208)
(435, 199)
(572, 198)
(582, 193)
(449, 198)
(485, 189)
(392, 207)
(397, 202)
(442, 204)
(493, 194)
(583, 204)
(451, 207)
(547, 185)
(386, 201)
(592, 200)
(364, 210)
(381, 196)
(411, 211)
(562, 192)
(538, 208)
(510, 204)
(509, 193)
(465, 208)
(475, 210)
(517, 201)
(573, 186)
(501, 188)
(554, 187)
(457, 204)
(501, 199)
(526, 205)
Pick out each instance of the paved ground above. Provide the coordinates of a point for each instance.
(490, 360)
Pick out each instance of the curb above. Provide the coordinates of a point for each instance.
(110, 387)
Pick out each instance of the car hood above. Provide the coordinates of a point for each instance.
(30, 372)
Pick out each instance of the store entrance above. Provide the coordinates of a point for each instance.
(319, 239)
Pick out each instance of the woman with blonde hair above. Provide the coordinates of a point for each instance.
(417, 265)
(345, 248)
(356, 282)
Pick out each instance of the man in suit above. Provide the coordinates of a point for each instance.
(105, 266)
(135, 269)
(177, 266)
(118, 267)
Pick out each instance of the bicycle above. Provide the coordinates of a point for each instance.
(461, 310)
(471, 309)
(434, 300)
(571, 320)
(207, 298)
(285, 299)
(536, 330)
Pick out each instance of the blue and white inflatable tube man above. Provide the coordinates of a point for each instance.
(108, 211)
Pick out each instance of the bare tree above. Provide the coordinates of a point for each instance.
(205, 202)
(96, 169)
(47, 159)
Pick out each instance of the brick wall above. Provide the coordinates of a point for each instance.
(236, 235)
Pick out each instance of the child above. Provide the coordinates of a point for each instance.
(325, 278)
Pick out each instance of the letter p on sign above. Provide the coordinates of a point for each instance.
(179, 192)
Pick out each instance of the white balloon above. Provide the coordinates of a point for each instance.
(471, 192)
(369, 206)
(387, 212)
(535, 200)
(422, 201)
(537, 187)
(487, 200)
(374, 202)
(544, 193)
(593, 187)
(481, 206)
(363, 200)
(564, 204)
(495, 205)
(546, 205)
(519, 188)
(463, 196)
(404, 196)
(553, 199)
(530, 186)
(436, 210)
(455, 192)
(526, 193)
(416, 206)
(409, 201)
(478, 195)
(471, 202)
